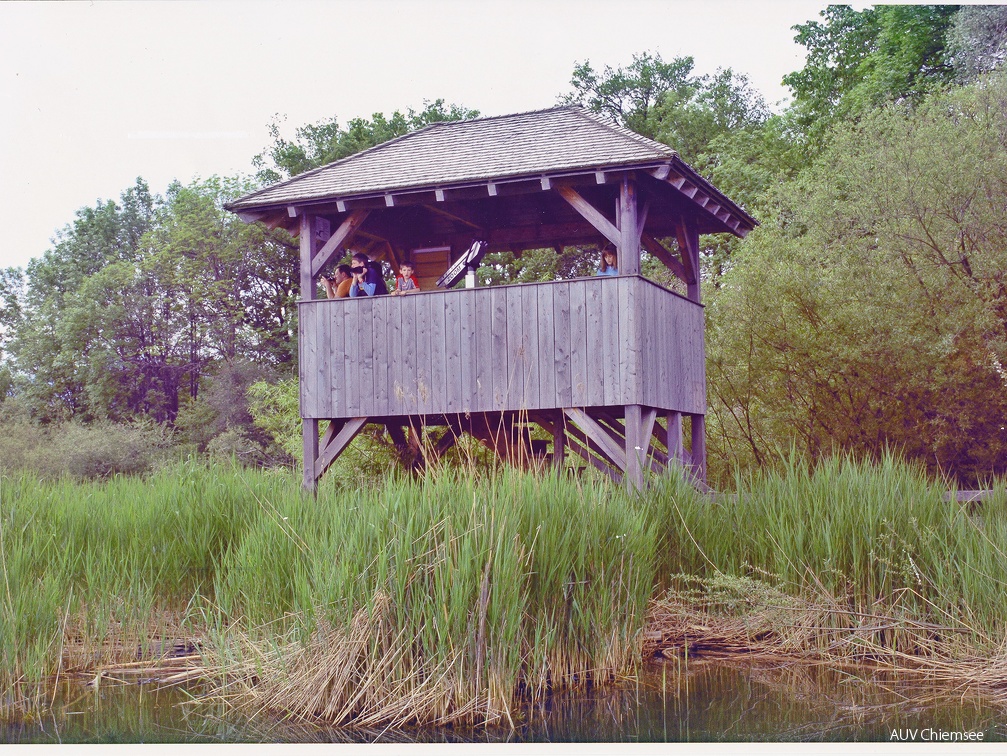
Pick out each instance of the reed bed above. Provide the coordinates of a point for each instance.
(458, 597)
(845, 563)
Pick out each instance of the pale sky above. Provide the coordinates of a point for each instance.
(95, 94)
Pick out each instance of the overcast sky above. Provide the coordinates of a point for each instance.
(94, 94)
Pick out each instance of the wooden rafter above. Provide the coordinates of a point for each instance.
(453, 216)
(591, 214)
(582, 450)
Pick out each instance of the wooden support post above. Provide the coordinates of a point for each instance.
(676, 449)
(699, 447)
(636, 447)
(629, 229)
(559, 442)
(309, 432)
(309, 426)
(336, 443)
(308, 247)
(688, 244)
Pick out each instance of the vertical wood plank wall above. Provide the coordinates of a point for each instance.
(592, 342)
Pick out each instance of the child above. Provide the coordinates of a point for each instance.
(609, 262)
(405, 282)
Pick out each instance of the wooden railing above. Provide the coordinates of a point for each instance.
(590, 342)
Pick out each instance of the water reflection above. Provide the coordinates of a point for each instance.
(704, 701)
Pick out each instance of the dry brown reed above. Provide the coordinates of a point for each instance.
(366, 676)
(746, 618)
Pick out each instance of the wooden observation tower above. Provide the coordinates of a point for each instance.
(608, 366)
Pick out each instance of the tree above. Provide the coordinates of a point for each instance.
(858, 60)
(629, 95)
(977, 40)
(870, 310)
(320, 143)
(136, 299)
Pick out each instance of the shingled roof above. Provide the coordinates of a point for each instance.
(540, 142)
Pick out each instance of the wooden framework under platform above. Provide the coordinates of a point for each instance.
(624, 448)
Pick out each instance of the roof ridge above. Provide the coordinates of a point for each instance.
(618, 128)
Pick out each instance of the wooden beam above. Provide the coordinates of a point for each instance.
(629, 239)
(661, 172)
(308, 245)
(571, 443)
(453, 216)
(338, 240)
(591, 215)
(636, 447)
(398, 438)
(393, 256)
(665, 255)
(688, 245)
(278, 220)
(699, 448)
(641, 219)
(449, 438)
(596, 463)
(559, 443)
(599, 435)
(544, 235)
(309, 437)
(673, 438)
(338, 443)
(647, 421)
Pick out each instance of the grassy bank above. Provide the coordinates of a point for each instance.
(453, 598)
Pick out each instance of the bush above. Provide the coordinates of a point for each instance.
(84, 452)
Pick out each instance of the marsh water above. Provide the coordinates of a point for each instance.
(706, 701)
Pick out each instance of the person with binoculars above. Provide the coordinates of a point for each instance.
(367, 278)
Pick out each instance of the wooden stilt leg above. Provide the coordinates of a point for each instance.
(309, 430)
(636, 447)
(699, 447)
(676, 447)
(559, 442)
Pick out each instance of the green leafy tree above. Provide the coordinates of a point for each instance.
(870, 310)
(858, 60)
(122, 317)
(320, 143)
(630, 95)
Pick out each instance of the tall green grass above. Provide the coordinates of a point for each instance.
(451, 597)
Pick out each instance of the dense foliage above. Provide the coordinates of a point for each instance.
(868, 311)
